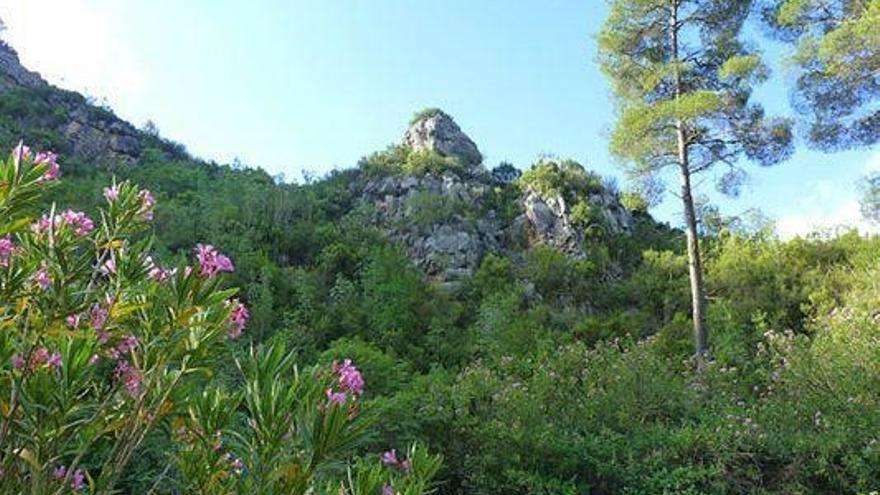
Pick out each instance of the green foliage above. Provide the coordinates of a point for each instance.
(424, 114)
(658, 87)
(425, 208)
(402, 160)
(870, 201)
(566, 178)
(106, 355)
(836, 59)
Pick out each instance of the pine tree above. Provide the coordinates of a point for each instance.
(837, 62)
(683, 81)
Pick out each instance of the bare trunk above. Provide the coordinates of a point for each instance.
(695, 265)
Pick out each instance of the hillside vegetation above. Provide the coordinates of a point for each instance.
(318, 340)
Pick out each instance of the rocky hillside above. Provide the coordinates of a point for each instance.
(431, 193)
(51, 117)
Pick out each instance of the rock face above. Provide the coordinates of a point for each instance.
(440, 220)
(88, 133)
(435, 130)
(12, 74)
(446, 221)
(548, 222)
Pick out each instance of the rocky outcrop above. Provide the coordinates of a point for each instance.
(12, 74)
(616, 219)
(435, 130)
(445, 220)
(548, 222)
(88, 133)
(440, 220)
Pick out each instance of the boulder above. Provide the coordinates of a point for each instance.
(435, 130)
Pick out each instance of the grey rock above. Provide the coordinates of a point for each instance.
(547, 222)
(438, 132)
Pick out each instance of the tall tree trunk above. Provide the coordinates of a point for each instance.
(695, 265)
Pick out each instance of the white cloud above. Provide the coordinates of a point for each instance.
(829, 206)
(75, 44)
(873, 163)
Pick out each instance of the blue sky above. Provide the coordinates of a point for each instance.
(292, 85)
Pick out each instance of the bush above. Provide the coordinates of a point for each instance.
(106, 354)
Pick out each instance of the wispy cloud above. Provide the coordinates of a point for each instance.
(75, 44)
(829, 205)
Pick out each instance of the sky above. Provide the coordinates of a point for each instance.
(296, 85)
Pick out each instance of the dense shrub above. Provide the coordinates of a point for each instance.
(106, 354)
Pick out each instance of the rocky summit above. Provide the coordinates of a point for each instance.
(77, 129)
(435, 130)
(448, 217)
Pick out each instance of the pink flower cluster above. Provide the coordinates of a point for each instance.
(111, 193)
(350, 382)
(77, 480)
(238, 318)
(390, 459)
(41, 277)
(22, 153)
(7, 249)
(50, 159)
(40, 357)
(128, 344)
(387, 490)
(156, 272)
(76, 220)
(211, 261)
(147, 204)
(129, 376)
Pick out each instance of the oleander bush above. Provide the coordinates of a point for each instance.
(116, 369)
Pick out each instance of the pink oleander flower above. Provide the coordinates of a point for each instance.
(237, 319)
(73, 320)
(21, 152)
(7, 249)
(147, 204)
(98, 317)
(389, 458)
(78, 221)
(42, 278)
(49, 158)
(350, 378)
(77, 481)
(109, 266)
(338, 398)
(159, 274)
(212, 262)
(111, 193)
(54, 360)
(39, 358)
(156, 272)
(128, 344)
(42, 225)
(129, 376)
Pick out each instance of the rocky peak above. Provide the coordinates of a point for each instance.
(77, 128)
(434, 130)
(12, 73)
